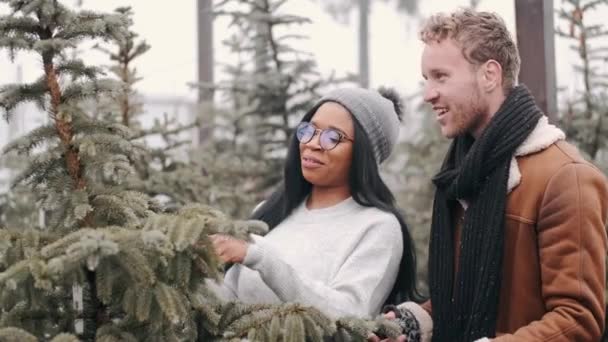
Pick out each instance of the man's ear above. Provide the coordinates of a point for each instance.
(491, 75)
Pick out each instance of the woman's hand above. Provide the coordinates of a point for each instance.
(229, 249)
(373, 338)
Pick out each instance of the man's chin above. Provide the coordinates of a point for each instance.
(448, 134)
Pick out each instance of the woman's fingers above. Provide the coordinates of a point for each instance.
(228, 248)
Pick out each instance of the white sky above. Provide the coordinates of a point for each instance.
(171, 30)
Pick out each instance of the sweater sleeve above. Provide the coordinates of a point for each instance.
(358, 289)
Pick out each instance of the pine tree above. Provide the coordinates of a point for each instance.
(270, 87)
(124, 51)
(109, 265)
(584, 117)
(160, 173)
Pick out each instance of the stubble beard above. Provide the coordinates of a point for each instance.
(470, 115)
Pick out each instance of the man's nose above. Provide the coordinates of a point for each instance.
(430, 93)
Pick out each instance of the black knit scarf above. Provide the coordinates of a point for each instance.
(475, 171)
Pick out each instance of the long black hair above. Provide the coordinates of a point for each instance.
(367, 189)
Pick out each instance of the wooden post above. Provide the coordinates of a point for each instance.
(536, 42)
(205, 62)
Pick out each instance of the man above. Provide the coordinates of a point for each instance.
(518, 243)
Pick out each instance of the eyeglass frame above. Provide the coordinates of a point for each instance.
(320, 131)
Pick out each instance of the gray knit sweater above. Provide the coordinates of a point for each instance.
(343, 260)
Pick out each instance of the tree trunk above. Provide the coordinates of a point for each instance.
(364, 43)
(205, 62)
(535, 39)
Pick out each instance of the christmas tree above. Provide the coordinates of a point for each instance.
(109, 264)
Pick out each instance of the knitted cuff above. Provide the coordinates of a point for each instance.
(393, 308)
(255, 254)
(416, 324)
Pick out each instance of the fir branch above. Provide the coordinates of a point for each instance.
(294, 328)
(59, 246)
(24, 6)
(18, 25)
(315, 332)
(16, 42)
(134, 263)
(104, 277)
(92, 246)
(33, 139)
(52, 46)
(80, 91)
(11, 334)
(65, 338)
(13, 94)
(254, 319)
(143, 304)
(129, 301)
(184, 233)
(77, 69)
(166, 299)
(113, 333)
(206, 304)
(88, 127)
(39, 167)
(114, 208)
(15, 274)
(183, 269)
(104, 143)
(87, 24)
(591, 5)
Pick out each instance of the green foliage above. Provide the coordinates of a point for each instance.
(269, 88)
(584, 115)
(108, 265)
(293, 322)
(158, 172)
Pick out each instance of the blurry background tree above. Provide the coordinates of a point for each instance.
(585, 114)
(160, 172)
(268, 89)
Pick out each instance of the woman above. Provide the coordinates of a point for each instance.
(337, 242)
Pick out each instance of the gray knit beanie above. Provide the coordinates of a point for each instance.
(378, 113)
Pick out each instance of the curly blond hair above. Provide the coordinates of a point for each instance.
(481, 35)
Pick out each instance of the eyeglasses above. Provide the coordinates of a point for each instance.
(328, 138)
